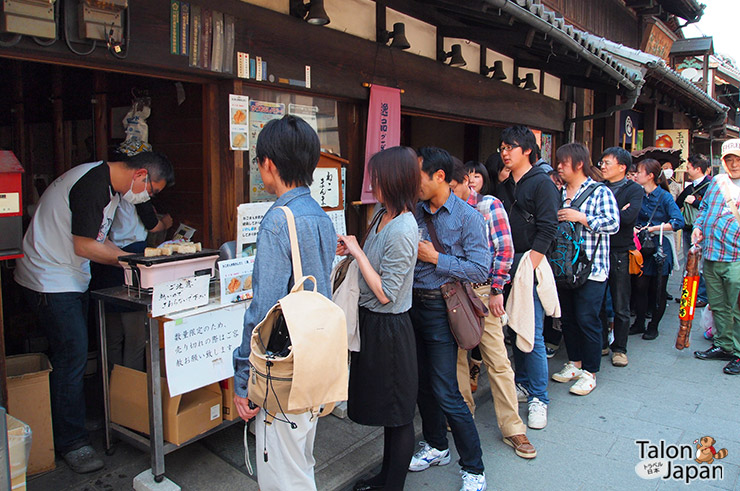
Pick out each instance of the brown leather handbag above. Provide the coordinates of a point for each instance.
(466, 313)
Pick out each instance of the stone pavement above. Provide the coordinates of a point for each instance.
(589, 442)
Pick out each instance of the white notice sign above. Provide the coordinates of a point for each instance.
(198, 349)
(326, 186)
(182, 294)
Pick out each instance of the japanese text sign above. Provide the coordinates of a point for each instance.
(182, 294)
(383, 129)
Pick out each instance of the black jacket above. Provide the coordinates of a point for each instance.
(532, 205)
(625, 191)
(700, 190)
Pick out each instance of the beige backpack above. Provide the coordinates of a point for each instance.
(313, 372)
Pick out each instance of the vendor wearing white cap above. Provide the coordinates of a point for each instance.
(718, 230)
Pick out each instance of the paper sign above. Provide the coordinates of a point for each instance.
(198, 349)
(182, 294)
(184, 232)
(337, 218)
(260, 113)
(236, 279)
(239, 122)
(249, 216)
(307, 113)
(326, 186)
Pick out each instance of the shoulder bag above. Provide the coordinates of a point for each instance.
(466, 313)
(688, 211)
(647, 242)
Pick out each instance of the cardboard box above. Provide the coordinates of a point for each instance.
(185, 416)
(29, 401)
(19, 441)
(227, 388)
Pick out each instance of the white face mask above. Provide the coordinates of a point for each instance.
(137, 198)
(668, 173)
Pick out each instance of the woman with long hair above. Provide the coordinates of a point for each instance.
(498, 173)
(659, 213)
(384, 376)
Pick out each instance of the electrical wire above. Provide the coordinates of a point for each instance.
(125, 41)
(9, 44)
(69, 44)
(44, 42)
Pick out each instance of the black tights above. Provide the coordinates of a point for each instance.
(649, 293)
(397, 451)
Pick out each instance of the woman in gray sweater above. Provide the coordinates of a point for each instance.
(383, 376)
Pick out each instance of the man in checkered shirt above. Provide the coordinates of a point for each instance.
(580, 307)
(718, 230)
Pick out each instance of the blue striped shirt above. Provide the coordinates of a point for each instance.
(462, 233)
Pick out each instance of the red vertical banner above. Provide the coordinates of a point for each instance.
(383, 129)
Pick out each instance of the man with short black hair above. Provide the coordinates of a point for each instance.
(464, 256)
(287, 152)
(615, 162)
(68, 230)
(689, 201)
(531, 201)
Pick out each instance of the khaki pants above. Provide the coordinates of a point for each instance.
(500, 374)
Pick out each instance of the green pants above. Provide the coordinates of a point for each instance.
(723, 288)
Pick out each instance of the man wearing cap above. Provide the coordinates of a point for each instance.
(717, 228)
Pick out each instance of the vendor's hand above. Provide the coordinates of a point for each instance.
(690, 199)
(242, 407)
(625, 206)
(696, 236)
(166, 221)
(571, 215)
(350, 244)
(427, 252)
(496, 305)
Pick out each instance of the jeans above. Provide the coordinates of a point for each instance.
(582, 329)
(649, 293)
(64, 319)
(530, 369)
(439, 396)
(620, 287)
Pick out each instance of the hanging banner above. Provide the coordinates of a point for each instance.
(383, 129)
(674, 139)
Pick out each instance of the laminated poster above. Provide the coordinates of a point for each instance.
(260, 113)
(236, 279)
(238, 124)
(198, 349)
(307, 113)
(249, 216)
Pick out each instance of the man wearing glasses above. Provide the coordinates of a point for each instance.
(615, 162)
(531, 201)
(70, 229)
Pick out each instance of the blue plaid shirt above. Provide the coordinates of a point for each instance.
(602, 216)
(462, 233)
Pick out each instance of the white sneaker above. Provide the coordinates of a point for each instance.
(522, 394)
(428, 456)
(568, 373)
(584, 385)
(537, 418)
(473, 482)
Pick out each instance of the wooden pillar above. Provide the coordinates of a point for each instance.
(611, 124)
(57, 94)
(100, 108)
(20, 137)
(650, 121)
(211, 168)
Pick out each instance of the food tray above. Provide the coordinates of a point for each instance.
(144, 272)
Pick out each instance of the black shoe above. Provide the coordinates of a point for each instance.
(700, 304)
(83, 460)
(668, 296)
(635, 329)
(714, 353)
(648, 315)
(733, 368)
(677, 299)
(650, 334)
(364, 486)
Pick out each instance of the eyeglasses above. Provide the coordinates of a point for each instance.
(507, 148)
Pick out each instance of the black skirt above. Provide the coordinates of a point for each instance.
(383, 378)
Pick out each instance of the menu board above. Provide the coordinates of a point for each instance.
(260, 113)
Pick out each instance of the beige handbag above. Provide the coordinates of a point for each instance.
(313, 372)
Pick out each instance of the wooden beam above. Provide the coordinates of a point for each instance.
(57, 102)
(100, 115)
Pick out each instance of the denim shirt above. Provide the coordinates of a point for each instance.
(273, 268)
(462, 233)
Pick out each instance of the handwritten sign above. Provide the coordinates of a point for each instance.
(236, 279)
(198, 349)
(182, 294)
(249, 216)
(326, 186)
